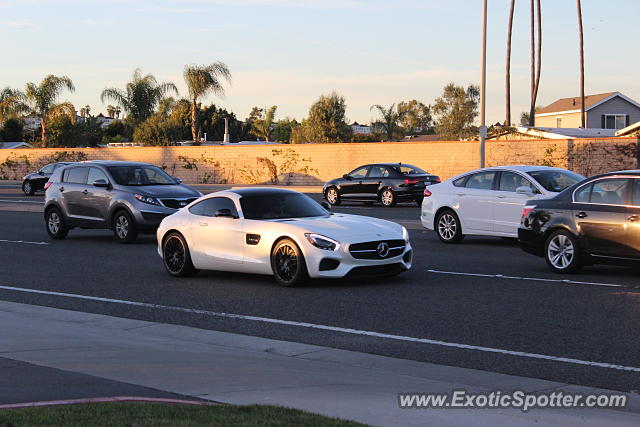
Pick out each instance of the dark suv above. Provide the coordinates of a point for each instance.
(126, 197)
(387, 183)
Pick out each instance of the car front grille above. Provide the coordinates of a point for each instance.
(376, 270)
(379, 249)
(177, 203)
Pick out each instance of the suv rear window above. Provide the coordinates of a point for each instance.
(75, 175)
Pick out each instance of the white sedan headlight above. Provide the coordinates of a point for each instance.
(322, 242)
(405, 234)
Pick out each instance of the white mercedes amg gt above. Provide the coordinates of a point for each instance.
(279, 232)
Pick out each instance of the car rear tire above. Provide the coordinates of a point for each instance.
(176, 256)
(288, 264)
(388, 198)
(332, 196)
(562, 253)
(27, 188)
(448, 227)
(124, 227)
(55, 224)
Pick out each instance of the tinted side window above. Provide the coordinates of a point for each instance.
(610, 191)
(583, 194)
(96, 174)
(481, 181)
(460, 182)
(48, 168)
(510, 181)
(635, 201)
(76, 175)
(378, 172)
(360, 172)
(210, 206)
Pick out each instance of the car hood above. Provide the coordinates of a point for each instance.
(352, 227)
(178, 190)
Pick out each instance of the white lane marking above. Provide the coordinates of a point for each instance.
(535, 279)
(21, 201)
(331, 328)
(22, 241)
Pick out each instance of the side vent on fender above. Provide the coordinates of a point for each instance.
(253, 239)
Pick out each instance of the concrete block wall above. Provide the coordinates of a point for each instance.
(312, 164)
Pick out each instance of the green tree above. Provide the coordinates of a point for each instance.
(326, 121)
(42, 99)
(285, 129)
(12, 129)
(415, 117)
(12, 104)
(140, 97)
(202, 80)
(262, 126)
(63, 131)
(456, 111)
(389, 125)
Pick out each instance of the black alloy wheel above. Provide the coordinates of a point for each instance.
(288, 264)
(176, 256)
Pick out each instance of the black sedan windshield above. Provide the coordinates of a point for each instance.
(556, 181)
(280, 206)
(140, 175)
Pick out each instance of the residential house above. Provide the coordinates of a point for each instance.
(14, 145)
(358, 128)
(611, 110)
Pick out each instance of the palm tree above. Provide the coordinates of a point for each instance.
(579, 6)
(42, 98)
(88, 110)
(141, 95)
(117, 112)
(202, 80)
(111, 110)
(12, 103)
(262, 127)
(391, 118)
(507, 121)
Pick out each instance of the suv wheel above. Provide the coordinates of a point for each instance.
(332, 196)
(27, 188)
(124, 228)
(176, 256)
(561, 252)
(56, 227)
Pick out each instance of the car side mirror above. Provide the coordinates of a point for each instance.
(40, 173)
(527, 191)
(224, 213)
(326, 205)
(100, 183)
(177, 180)
(346, 176)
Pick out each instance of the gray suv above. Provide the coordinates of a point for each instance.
(126, 197)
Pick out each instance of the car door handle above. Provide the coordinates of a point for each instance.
(85, 192)
(460, 194)
(634, 218)
(501, 197)
(203, 224)
(582, 215)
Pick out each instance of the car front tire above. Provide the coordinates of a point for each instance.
(27, 188)
(124, 227)
(288, 264)
(332, 196)
(562, 253)
(176, 256)
(55, 224)
(448, 227)
(388, 198)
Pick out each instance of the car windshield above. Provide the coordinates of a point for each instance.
(409, 170)
(140, 175)
(556, 181)
(280, 206)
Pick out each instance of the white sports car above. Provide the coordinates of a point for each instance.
(489, 202)
(279, 232)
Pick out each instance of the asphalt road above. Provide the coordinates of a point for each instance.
(482, 304)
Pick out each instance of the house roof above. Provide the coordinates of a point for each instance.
(567, 105)
(12, 145)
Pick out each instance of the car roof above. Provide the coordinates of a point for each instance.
(519, 168)
(260, 191)
(115, 163)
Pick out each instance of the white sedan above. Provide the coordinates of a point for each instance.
(281, 233)
(489, 202)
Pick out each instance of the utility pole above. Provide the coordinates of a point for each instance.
(483, 85)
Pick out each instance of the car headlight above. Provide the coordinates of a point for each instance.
(405, 234)
(147, 199)
(322, 242)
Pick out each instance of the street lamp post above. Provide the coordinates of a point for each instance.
(483, 85)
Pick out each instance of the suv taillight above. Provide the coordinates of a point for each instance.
(427, 193)
(47, 185)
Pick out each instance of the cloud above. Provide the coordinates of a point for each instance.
(17, 24)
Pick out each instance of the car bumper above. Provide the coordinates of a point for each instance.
(531, 242)
(339, 264)
(148, 217)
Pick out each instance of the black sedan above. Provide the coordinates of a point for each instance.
(596, 221)
(388, 183)
(35, 181)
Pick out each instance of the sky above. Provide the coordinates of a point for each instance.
(289, 52)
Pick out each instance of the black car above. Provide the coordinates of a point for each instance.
(387, 183)
(35, 181)
(596, 221)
